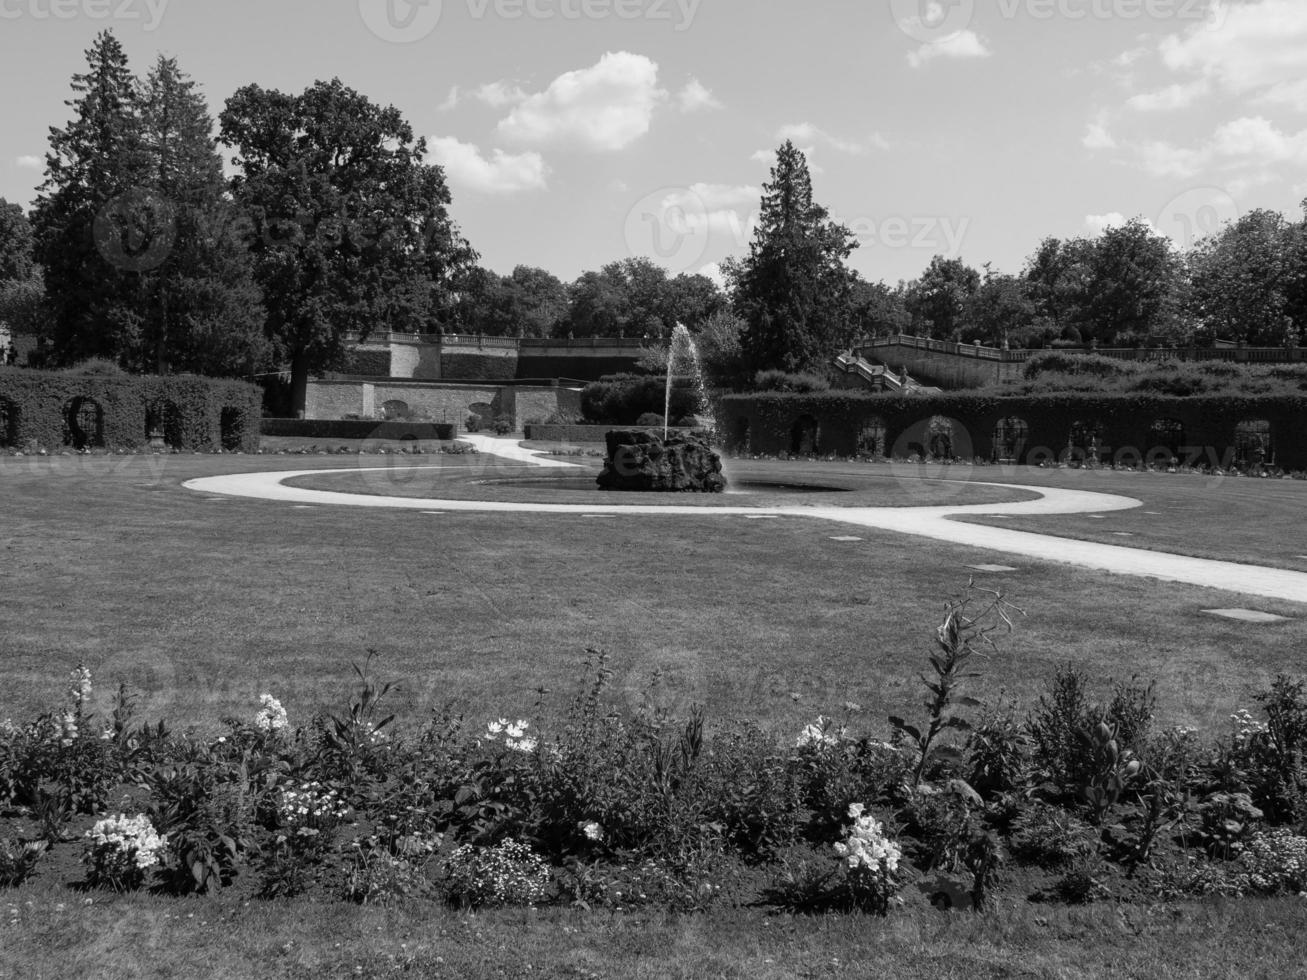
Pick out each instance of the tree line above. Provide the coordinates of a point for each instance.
(139, 250)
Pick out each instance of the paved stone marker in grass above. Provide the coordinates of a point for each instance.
(1123, 534)
(846, 539)
(993, 569)
(1246, 615)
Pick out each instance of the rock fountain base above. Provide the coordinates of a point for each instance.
(642, 460)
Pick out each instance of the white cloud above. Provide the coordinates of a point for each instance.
(500, 94)
(963, 44)
(1250, 147)
(1178, 96)
(1098, 136)
(28, 163)
(713, 270)
(1260, 49)
(606, 107)
(503, 173)
(451, 100)
(695, 97)
(807, 133)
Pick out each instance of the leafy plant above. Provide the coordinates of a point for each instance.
(508, 874)
(968, 624)
(18, 860)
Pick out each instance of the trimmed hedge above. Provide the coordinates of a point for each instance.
(544, 432)
(358, 429)
(622, 400)
(1056, 424)
(477, 367)
(51, 410)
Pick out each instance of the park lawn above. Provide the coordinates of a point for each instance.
(1237, 519)
(203, 604)
(49, 934)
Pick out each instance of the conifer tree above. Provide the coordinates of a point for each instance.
(793, 289)
(86, 242)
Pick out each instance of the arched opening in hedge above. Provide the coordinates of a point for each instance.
(741, 435)
(395, 410)
(1011, 436)
(804, 436)
(165, 418)
(871, 437)
(8, 423)
(83, 423)
(939, 437)
(1252, 443)
(233, 425)
(1165, 441)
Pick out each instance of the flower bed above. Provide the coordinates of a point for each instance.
(1076, 800)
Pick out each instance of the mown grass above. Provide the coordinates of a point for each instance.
(48, 935)
(205, 603)
(1238, 519)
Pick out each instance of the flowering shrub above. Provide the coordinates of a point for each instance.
(870, 861)
(309, 809)
(823, 733)
(1276, 863)
(120, 850)
(508, 874)
(512, 734)
(271, 717)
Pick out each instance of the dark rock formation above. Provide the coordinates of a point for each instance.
(641, 460)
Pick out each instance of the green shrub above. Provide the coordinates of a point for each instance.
(103, 409)
(782, 381)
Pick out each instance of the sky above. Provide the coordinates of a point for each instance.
(577, 132)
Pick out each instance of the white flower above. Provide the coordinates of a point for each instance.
(272, 716)
(592, 830)
(79, 684)
(522, 744)
(821, 733)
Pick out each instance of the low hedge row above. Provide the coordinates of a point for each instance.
(540, 432)
(357, 429)
(51, 410)
(837, 422)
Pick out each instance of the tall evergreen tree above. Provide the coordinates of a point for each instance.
(87, 239)
(205, 311)
(793, 289)
(351, 227)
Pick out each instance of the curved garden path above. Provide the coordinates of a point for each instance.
(929, 522)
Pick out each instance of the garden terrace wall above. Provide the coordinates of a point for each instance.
(365, 429)
(37, 408)
(774, 423)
